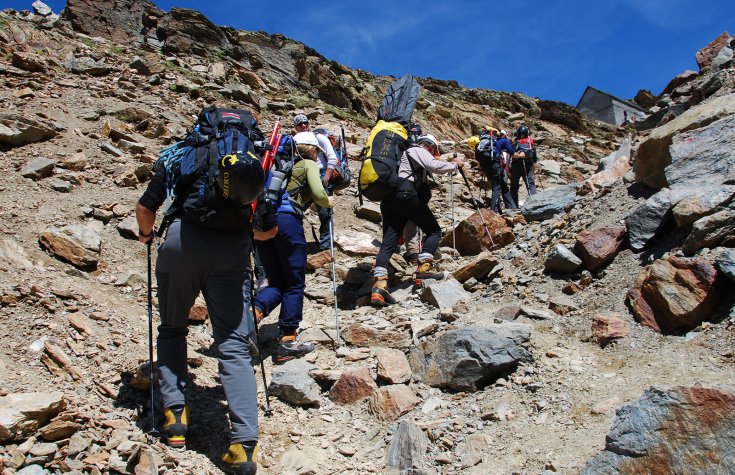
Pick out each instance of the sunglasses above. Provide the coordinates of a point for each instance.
(302, 123)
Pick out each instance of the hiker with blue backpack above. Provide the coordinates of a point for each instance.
(488, 154)
(215, 177)
(284, 256)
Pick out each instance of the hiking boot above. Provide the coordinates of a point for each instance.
(241, 458)
(380, 296)
(176, 425)
(427, 270)
(290, 348)
(253, 346)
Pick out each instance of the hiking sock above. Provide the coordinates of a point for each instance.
(176, 424)
(241, 458)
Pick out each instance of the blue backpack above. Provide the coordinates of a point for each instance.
(194, 170)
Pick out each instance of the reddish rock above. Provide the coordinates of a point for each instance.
(674, 295)
(353, 385)
(478, 268)
(359, 334)
(571, 288)
(393, 366)
(509, 312)
(391, 402)
(471, 237)
(606, 329)
(598, 247)
(645, 99)
(318, 260)
(198, 313)
(562, 304)
(707, 54)
(59, 429)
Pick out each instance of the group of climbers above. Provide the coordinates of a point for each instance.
(232, 194)
(506, 164)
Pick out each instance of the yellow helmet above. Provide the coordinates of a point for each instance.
(473, 141)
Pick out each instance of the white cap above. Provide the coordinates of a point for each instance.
(503, 132)
(428, 138)
(307, 138)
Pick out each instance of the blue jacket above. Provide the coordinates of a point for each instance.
(503, 144)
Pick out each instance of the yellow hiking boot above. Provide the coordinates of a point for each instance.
(176, 425)
(380, 296)
(241, 458)
(427, 270)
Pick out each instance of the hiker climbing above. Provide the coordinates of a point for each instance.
(284, 256)
(328, 164)
(488, 155)
(524, 159)
(207, 248)
(410, 202)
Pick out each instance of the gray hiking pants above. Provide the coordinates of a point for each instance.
(194, 259)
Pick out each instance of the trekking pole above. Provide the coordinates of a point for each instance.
(154, 432)
(268, 410)
(451, 192)
(525, 176)
(477, 207)
(334, 279)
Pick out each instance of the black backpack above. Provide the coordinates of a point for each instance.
(220, 138)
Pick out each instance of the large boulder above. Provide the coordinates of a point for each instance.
(188, 31)
(648, 219)
(612, 167)
(674, 295)
(699, 201)
(710, 231)
(75, 243)
(705, 156)
(16, 130)
(121, 21)
(471, 237)
(21, 414)
(705, 55)
(598, 247)
(292, 383)
(679, 80)
(548, 203)
(677, 430)
(653, 156)
(470, 358)
(353, 384)
(726, 263)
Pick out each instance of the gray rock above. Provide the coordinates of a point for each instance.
(726, 263)
(131, 278)
(723, 59)
(32, 470)
(445, 293)
(621, 153)
(695, 202)
(407, 447)
(41, 8)
(111, 149)
(37, 168)
(87, 65)
(470, 358)
(16, 130)
(128, 228)
(562, 260)
(710, 231)
(369, 211)
(292, 383)
(648, 219)
(61, 185)
(689, 165)
(679, 430)
(548, 203)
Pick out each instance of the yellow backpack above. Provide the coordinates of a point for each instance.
(381, 158)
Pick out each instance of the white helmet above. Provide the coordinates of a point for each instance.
(307, 138)
(503, 133)
(428, 138)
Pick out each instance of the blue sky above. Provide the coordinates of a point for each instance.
(548, 49)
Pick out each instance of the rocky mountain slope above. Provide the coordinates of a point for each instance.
(515, 364)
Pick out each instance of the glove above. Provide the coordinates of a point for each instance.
(266, 216)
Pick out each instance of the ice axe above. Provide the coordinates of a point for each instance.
(477, 207)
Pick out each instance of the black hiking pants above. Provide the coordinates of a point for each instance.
(521, 169)
(399, 209)
(494, 172)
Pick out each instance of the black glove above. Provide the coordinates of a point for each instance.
(265, 217)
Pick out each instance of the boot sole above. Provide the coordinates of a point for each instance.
(247, 468)
(377, 300)
(177, 442)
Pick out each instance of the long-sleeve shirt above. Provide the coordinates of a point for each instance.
(305, 184)
(423, 163)
(328, 158)
(503, 144)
